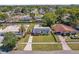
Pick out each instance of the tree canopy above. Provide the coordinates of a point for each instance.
(9, 41)
(3, 16)
(49, 19)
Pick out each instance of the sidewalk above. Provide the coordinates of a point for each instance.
(41, 43)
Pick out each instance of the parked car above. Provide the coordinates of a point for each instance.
(74, 37)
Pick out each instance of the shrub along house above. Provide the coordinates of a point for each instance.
(63, 29)
(41, 31)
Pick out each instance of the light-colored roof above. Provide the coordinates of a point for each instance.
(26, 17)
(12, 28)
(41, 28)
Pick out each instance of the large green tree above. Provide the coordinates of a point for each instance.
(3, 16)
(6, 8)
(49, 19)
(74, 15)
(9, 41)
(22, 28)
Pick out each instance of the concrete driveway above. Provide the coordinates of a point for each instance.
(64, 43)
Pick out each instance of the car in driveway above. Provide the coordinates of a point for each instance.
(74, 37)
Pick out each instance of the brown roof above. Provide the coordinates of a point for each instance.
(63, 28)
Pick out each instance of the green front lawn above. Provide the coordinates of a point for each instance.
(46, 47)
(78, 34)
(74, 46)
(43, 38)
(21, 47)
(55, 37)
(22, 40)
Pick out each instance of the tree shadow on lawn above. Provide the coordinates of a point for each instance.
(6, 48)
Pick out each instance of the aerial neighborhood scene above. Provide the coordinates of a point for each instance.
(39, 28)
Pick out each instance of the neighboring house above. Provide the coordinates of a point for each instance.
(42, 11)
(2, 20)
(41, 31)
(51, 9)
(16, 18)
(17, 10)
(13, 29)
(63, 29)
(38, 18)
(26, 18)
(65, 16)
(35, 11)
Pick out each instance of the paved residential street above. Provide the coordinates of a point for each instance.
(44, 52)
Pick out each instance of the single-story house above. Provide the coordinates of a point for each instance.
(35, 11)
(38, 18)
(2, 20)
(41, 31)
(13, 29)
(42, 11)
(63, 29)
(16, 18)
(26, 18)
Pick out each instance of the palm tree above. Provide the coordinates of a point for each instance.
(22, 29)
